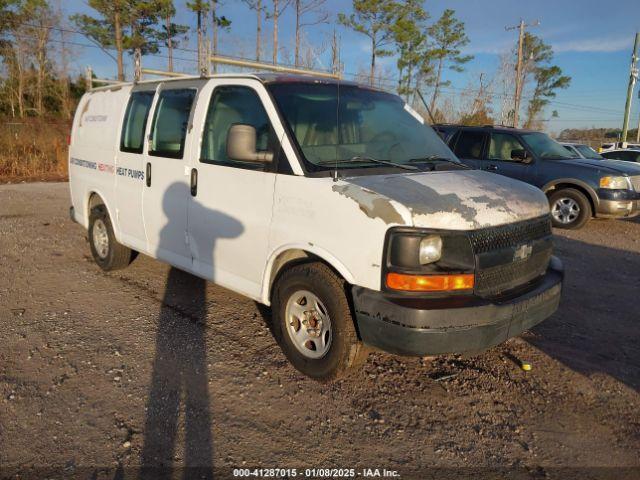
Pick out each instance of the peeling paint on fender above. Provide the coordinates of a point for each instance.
(458, 200)
(372, 204)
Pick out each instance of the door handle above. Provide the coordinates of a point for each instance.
(194, 182)
(492, 167)
(148, 174)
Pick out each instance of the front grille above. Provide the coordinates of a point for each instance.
(635, 181)
(496, 238)
(498, 268)
(493, 281)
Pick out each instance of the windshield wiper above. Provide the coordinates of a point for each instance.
(359, 158)
(438, 158)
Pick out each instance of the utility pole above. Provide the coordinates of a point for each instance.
(200, 43)
(638, 132)
(214, 26)
(519, 80)
(89, 78)
(632, 81)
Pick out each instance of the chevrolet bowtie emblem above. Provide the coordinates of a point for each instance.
(522, 252)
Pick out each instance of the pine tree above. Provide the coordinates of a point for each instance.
(448, 37)
(547, 78)
(302, 9)
(410, 39)
(373, 18)
(171, 33)
(258, 6)
(217, 21)
(201, 8)
(123, 25)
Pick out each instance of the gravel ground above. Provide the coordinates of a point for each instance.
(101, 374)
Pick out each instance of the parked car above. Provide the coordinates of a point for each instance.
(626, 154)
(581, 150)
(332, 203)
(577, 188)
(617, 145)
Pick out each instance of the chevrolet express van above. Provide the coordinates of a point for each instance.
(332, 203)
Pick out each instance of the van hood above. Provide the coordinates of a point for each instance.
(452, 200)
(606, 165)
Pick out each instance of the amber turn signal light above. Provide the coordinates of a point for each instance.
(429, 283)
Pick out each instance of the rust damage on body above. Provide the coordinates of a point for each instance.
(372, 204)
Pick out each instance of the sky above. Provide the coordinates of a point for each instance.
(592, 42)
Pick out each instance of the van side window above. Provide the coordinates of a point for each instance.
(135, 122)
(231, 105)
(170, 123)
(469, 144)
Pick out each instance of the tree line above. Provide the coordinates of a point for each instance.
(36, 46)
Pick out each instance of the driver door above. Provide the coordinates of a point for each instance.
(230, 210)
(502, 159)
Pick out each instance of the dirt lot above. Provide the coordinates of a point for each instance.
(103, 373)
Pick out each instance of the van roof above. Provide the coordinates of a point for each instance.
(265, 78)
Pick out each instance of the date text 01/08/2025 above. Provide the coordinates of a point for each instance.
(315, 473)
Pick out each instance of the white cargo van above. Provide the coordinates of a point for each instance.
(333, 203)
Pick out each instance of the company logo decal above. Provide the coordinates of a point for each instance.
(104, 167)
(95, 118)
(128, 172)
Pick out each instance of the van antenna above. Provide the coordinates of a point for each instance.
(335, 171)
(424, 103)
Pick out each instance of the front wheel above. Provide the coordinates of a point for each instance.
(313, 323)
(570, 209)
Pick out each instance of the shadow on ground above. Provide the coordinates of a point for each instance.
(596, 328)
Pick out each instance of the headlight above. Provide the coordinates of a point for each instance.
(413, 250)
(430, 249)
(616, 183)
(419, 260)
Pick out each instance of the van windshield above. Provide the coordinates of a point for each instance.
(347, 126)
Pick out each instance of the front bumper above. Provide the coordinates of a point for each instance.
(618, 203)
(418, 326)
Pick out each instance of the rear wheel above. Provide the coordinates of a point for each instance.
(105, 249)
(570, 209)
(313, 323)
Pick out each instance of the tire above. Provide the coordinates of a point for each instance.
(331, 357)
(570, 209)
(105, 249)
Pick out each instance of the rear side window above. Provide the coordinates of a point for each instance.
(229, 106)
(469, 144)
(135, 122)
(170, 123)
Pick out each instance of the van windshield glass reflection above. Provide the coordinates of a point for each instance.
(357, 127)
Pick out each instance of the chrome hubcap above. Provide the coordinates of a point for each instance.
(308, 324)
(100, 238)
(565, 210)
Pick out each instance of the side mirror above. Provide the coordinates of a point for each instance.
(521, 155)
(241, 145)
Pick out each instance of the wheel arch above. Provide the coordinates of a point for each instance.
(582, 187)
(288, 255)
(94, 198)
